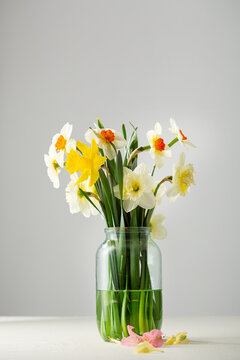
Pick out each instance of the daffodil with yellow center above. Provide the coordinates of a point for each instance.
(183, 178)
(137, 188)
(88, 163)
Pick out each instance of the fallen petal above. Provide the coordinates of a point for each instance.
(145, 347)
(154, 337)
(133, 339)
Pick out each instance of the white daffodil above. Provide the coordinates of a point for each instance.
(137, 188)
(105, 139)
(76, 200)
(159, 149)
(62, 142)
(183, 177)
(159, 231)
(179, 134)
(52, 163)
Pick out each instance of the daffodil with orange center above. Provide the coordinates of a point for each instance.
(107, 139)
(88, 163)
(179, 134)
(63, 143)
(159, 149)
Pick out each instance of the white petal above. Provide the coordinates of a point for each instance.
(74, 177)
(119, 140)
(116, 191)
(150, 137)
(174, 128)
(52, 151)
(160, 233)
(89, 135)
(158, 128)
(158, 230)
(187, 142)
(148, 182)
(71, 144)
(129, 205)
(172, 191)
(167, 153)
(53, 177)
(109, 151)
(60, 158)
(141, 169)
(159, 160)
(147, 200)
(126, 171)
(161, 192)
(66, 131)
(47, 160)
(54, 139)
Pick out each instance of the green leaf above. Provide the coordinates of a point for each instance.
(132, 144)
(88, 198)
(103, 203)
(124, 131)
(100, 125)
(119, 169)
(108, 194)
(112, 168)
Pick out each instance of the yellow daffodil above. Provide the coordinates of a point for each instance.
(88, 163)
(145, 347)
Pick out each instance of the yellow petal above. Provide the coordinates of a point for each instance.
(170, 340)
(84, 176)
(145, 347)
(73, 161)
(99, 160)
(94, 148)
(94, 176)
(84, 148)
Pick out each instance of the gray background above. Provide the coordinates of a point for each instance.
(139, 61)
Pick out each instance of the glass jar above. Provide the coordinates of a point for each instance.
(128, 283)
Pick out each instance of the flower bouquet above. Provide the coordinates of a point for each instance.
(106, 181)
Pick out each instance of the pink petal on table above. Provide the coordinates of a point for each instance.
(154, 337)
(133, 339)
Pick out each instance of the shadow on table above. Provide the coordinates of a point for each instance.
(214, 342)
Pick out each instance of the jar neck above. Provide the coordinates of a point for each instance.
(114, 233)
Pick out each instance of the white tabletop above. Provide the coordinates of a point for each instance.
(48, 338)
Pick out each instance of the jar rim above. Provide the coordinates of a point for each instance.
(139, 229)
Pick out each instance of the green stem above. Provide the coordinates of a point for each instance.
(142, 317)
(153, 170)
(173, 142)
(134, 273)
